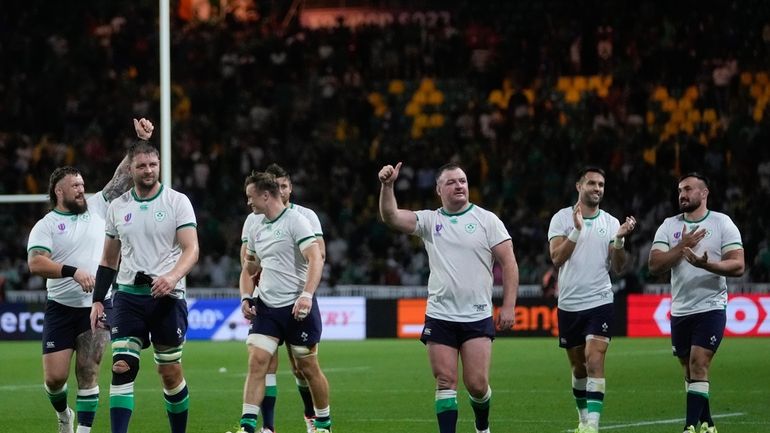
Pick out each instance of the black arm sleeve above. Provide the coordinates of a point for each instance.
(104, 278)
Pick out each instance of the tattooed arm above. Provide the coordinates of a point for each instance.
(121, 180)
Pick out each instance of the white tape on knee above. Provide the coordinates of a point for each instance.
(598, 338)
(260, 341)
(300, 352)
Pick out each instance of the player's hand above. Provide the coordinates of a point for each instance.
(85, 279)
(577, 216)
(505, 318)
(627, 227)
(694, 259)
(691, 238)
(143, 128)
(388, 174)
(248, 308)
(302, 308)
(97, 316)
(163, 285)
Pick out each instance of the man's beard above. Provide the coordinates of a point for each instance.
(689, 207)
(75, 207)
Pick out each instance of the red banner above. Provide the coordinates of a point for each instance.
(747, 316)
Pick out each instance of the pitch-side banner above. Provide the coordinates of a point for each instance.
(344, 318)
(747, 316)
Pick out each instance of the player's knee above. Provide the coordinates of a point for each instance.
(124, 369)
(444, 381)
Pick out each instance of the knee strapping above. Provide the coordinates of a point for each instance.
(269, 345)
(124, 369)
(171, 355)
(300, 352)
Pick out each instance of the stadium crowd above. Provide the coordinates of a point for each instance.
(687, 88)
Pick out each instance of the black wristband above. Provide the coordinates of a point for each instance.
(68, 271)
(104, 278)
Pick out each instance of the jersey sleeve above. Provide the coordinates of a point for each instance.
(97, 204)
(557, 227)
(245, 230)
(110, 227)
(731, 236)
(315, 223)
(661, 240)
(40, 237)
(301, 232)
(497, 233)
(185, 215)
(424, 222)
(614, 227)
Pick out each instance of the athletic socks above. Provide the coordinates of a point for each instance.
(446, 410)
(58, 398)
(121, 406)
(579, 391)
(697, 400)
(481, 409)
(249, 418)
(594, 400)
(307, 398)
(323, 418)
(85, 404)
(268, 403)
(177, 406)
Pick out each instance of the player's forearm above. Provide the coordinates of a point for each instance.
(562, 253)
(388, 204)
(186, 261)
(662, 261)
(510, 285)
(45, 267)
(619, 259)
(120, 182)
(245, 283)
(726, 268)
(314, 270)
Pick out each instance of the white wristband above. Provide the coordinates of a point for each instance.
(574, 235)
(245, 297)
(307, 295)
(618, 243)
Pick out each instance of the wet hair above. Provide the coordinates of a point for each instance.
(277, 171)
(446, 167)
(57, 175)
(263, 182)
(696, 175)
(590, 169)
(142, 147)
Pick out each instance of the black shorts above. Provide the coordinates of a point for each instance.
(281, 324)
(454, 334)
(701, 329)
(63, 324)
(574, 326)
(160, 320)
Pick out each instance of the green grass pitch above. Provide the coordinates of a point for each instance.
(386, 386)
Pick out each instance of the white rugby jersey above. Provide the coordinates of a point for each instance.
(695, 290)
(312, 218)
(278, 244)
(74, 240)
(584, 279)
(147, 231)
(459, 247)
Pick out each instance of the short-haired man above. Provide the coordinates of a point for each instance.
(283, 247)
(700, 247)
(248, 283)
(463, 241)
(151, 233)
(65, 247)
(584, 243)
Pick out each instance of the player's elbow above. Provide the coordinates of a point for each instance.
(35, 265)
(740, 268)
(556, 260)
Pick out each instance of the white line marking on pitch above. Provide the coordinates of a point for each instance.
(662, 421)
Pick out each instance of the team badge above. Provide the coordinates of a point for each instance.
(470, 228)
(86, 216)
(278, 234)
(602, 231)
(160, 215)
(708, 233)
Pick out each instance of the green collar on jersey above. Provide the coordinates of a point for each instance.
(267, 221)
(58, 212)
(704, 217)
(599, 212)
(137, 198)
(443, 212)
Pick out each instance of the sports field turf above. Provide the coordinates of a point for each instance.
(386, 386)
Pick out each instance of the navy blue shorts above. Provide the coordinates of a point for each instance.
(160, 320)
(63, 324)
(701, 329)
(574, 326)
(454, 334)
(281, 324)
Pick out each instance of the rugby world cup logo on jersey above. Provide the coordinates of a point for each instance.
(127, 218)
(61, 227)
(439, 227)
